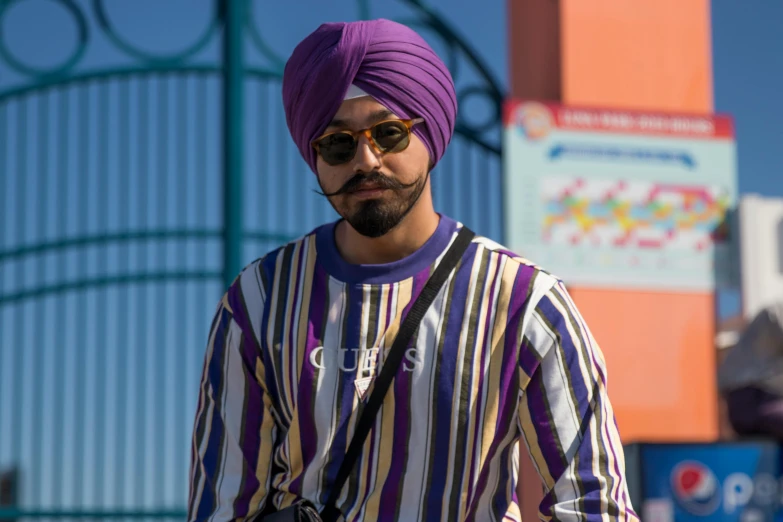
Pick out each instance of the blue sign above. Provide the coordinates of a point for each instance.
(726, 482)
(583, 152)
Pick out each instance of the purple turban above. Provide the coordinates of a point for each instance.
(385, 59)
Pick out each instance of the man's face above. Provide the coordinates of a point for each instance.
(373, 191)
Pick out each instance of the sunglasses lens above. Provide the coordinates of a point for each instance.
(340, 147)
(337, 148)
(391, 136)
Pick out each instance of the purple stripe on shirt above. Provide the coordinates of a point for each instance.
(581, 390)
(367, 479)
(484, 353)
(308, 433)
(346, 380)
(528, 357)
(507, 400)
(547, 441)
(251, 440)
(444, 389)
(211, 458)
(501, 499)
(509, 374)
(267, 266)
(568, 350)
(391, 490)
(292, 324)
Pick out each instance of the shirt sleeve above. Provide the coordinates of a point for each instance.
(234, 430)
(566, 418)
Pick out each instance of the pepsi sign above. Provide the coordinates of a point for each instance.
(696, 488)
(722, 482)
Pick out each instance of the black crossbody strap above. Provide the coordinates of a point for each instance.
(408, 327)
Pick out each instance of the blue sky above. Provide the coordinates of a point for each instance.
(748, 72)
(748, 82)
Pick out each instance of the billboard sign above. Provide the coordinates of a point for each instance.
(620, 199)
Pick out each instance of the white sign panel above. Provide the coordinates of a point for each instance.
(620, 199)
(761, 239)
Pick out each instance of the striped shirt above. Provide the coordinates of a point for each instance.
(501, 356)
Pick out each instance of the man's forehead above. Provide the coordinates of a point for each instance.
(359, 112)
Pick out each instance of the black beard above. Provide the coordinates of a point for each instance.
(373, 220)
(376, 218)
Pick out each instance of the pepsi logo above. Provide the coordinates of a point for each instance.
(695, 488)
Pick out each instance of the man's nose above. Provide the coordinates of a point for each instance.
(367, 158)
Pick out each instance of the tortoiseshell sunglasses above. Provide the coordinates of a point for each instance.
(340, 146)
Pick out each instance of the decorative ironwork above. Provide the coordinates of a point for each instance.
(60, 70)
(152, 60)
(278, 62)
(458, 49)
(44, 89)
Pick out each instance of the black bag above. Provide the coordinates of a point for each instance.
(300, 511)
(303, 510)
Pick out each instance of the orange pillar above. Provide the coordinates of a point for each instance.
(648, 55)
(534, 57)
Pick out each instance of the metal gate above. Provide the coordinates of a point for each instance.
(130, 196)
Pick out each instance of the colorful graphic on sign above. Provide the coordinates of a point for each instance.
(632, 214)
(620, 199)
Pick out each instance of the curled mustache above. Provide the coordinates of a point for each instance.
(374, 178)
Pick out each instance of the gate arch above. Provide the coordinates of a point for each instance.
(116, 241)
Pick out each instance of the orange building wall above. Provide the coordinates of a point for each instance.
(650, 55)
(660, 360)
(644, 54)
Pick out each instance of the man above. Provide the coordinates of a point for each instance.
(502, 354)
